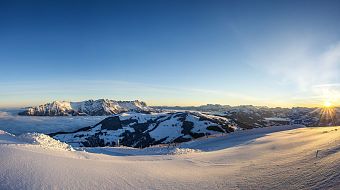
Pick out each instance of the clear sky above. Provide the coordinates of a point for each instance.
(175, 52)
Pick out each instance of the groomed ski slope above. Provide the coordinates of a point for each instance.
(268, 158)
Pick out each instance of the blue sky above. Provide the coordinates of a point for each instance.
(282, 53)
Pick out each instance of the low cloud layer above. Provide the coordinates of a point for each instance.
(12, 123)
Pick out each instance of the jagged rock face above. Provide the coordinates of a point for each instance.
(142, 130)
(89, 107)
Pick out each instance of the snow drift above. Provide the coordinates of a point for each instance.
(39, 139)
(44, 141)
(252, 159)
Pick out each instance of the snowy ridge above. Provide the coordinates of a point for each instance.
(130, 151)
(249, 116)
(5, 133)
(143, 130)
(180, 151)
(39, 139)
(89, 107)
(7, 137)
(45, 141)
(266, 158)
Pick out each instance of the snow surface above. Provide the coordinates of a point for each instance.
(44, 141)
(39, 139)
(286, 157)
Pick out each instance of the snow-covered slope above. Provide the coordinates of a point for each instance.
(142, 130)
(252, 159)
(89, 107)
(42, 140)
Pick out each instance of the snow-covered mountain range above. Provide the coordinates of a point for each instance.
(246, 116)
(249, 116)
(142, 130)
(88, 107)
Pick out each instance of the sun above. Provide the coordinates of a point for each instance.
(327, 104)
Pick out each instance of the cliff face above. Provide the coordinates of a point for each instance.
(89, 107)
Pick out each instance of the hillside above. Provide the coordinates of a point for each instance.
(253, 159)
(142, 130)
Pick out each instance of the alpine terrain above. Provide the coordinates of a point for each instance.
(89, 107)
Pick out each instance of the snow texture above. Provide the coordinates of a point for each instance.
(267, 158)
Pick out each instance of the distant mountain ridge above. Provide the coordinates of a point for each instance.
(89, 107)
(245, 116)
(249, 116)
(202, 108)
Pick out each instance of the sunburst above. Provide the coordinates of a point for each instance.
(327, 104)
(327, 114)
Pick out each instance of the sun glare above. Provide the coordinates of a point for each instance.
(327, 104)
(327, 114)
